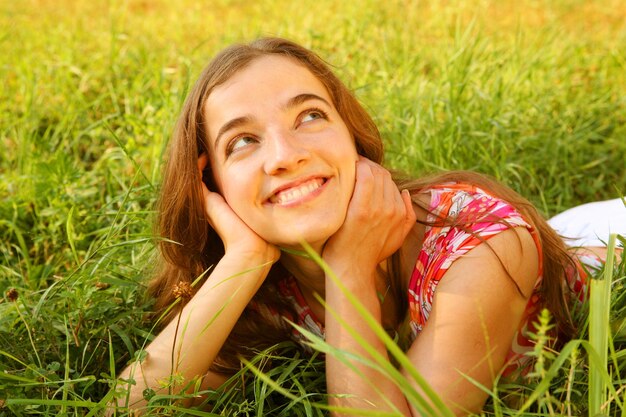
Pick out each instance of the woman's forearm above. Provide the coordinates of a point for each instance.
(188, 345)
(366, 388)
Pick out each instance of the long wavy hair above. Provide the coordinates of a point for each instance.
(189, 246)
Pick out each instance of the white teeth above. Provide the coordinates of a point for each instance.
(294, 193)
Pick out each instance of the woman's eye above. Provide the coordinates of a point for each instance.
(313, 114)
(239, 143)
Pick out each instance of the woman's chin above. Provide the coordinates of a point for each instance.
(301, 245)
(315, 239)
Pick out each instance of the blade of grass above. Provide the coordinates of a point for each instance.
(69, 231)
(276, 387)
(66, 376)
(599, 329)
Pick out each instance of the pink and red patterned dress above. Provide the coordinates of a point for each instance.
(483, 216)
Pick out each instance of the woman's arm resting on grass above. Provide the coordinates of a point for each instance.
(365, 388)
(205, 323)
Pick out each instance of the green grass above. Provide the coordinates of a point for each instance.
(529, 92)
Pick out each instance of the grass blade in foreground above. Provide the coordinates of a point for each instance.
(599, 328)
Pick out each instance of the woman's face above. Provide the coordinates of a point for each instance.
(281, 155)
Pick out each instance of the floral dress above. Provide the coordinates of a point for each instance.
(482, 216)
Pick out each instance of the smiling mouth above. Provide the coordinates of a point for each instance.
(295, 193)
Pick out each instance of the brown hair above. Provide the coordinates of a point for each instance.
(189, 245)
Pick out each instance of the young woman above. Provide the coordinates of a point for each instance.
(271, 150)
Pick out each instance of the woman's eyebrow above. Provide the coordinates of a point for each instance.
(301, 98)
(231, 124)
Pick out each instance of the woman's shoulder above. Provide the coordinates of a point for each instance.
(461, 216)
(457, 187)
(469, 203)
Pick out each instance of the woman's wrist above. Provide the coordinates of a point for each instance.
(252, 256)
(237, 268)
(350, 266)
(355, 277)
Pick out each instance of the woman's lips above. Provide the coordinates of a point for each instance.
(297, 192)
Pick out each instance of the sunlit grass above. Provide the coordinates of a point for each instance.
(529, 92)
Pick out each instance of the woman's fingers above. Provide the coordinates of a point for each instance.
(410, 217)
(215, 207)
(234, 232)
(379, 213)
(214, 203)
(393, 202)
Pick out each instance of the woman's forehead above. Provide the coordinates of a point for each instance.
(266, 83)
(269, 72)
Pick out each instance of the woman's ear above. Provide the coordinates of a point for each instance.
(205, 171)
(203, 161)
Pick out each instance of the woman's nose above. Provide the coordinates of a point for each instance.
(284, 152)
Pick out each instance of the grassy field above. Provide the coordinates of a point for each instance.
(533, 93)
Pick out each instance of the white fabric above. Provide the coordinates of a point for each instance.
(590, 224)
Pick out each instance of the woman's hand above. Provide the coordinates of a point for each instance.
(235, 234)
(378, 219)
